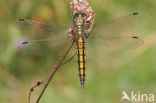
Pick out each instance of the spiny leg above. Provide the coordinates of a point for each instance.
(69, 59)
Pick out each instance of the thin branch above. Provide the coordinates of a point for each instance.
(69, 59)
(62, 49)
(32, 89)
(56, 67)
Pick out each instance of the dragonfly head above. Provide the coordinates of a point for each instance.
(79, 17)
(77, 13)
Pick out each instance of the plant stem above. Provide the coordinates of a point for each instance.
(56, 67)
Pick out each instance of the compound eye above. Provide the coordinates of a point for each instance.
(83, 14)
(75, 13)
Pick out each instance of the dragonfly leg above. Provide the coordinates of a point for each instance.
(69, 59)
(87, 31)
(70, 32)
(86, 35)
(62, 48)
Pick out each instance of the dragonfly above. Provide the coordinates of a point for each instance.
(110, 34)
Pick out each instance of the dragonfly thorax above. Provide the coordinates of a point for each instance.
(79, 24)
(79, 21)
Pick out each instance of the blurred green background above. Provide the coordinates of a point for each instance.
(106, 77)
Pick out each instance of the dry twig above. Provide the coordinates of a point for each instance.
(56, 67)
(32, 89)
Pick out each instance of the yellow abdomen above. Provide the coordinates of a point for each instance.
(81, 60)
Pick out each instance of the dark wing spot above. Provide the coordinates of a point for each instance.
(135, 13)
(135, 37)
(25, 42)
(21, 20)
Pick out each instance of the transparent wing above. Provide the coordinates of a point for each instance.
(117, 35)
(117, 26)
(40, 28)
(37, 38)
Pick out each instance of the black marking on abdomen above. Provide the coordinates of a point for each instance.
(81, 60)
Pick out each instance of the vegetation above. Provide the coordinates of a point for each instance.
(107, 76)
